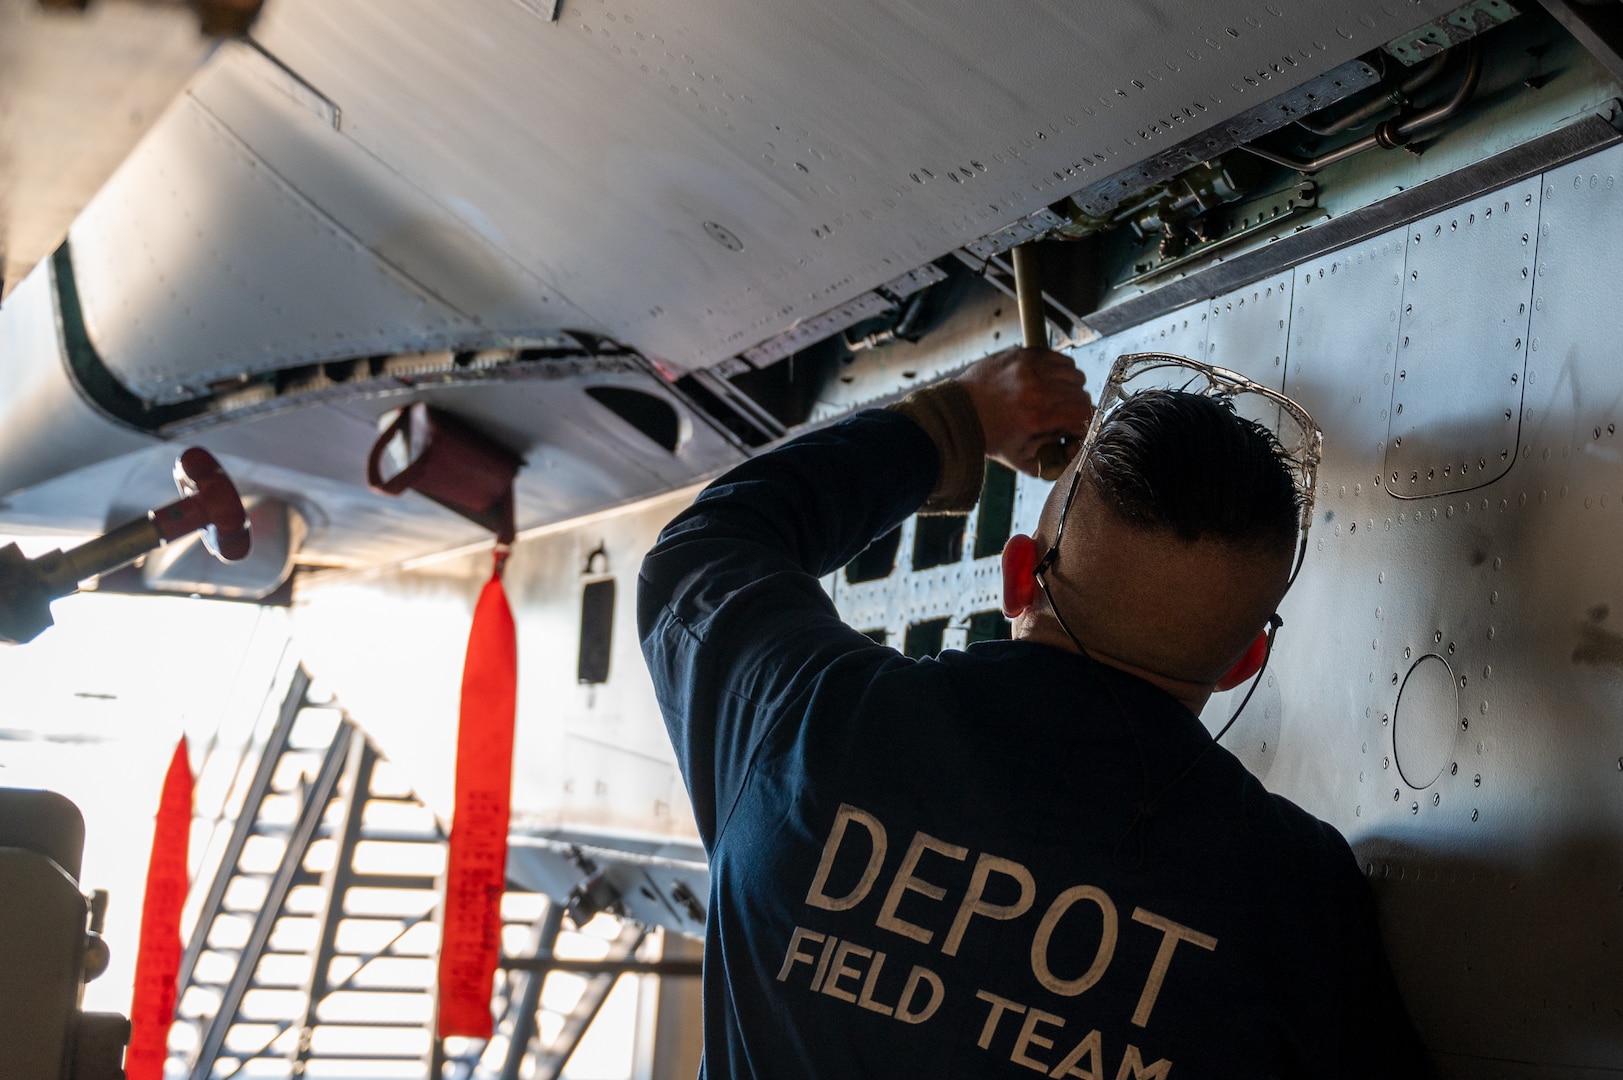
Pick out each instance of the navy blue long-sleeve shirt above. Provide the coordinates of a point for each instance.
(997, 862)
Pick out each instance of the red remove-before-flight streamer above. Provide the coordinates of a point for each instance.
(157, 964)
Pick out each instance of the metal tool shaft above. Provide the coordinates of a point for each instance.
(1028, 290)
(62, 571)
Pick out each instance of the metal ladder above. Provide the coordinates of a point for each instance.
(313, 951)
(517, 1041)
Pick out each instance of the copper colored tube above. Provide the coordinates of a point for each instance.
(1371, 109)
(1393, 133)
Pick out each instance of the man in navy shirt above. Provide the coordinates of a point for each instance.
(1029, 856)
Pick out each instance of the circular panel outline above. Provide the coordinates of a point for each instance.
(1419, 782)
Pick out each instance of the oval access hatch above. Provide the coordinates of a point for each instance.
(1425, 721)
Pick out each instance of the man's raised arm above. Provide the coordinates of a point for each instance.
(736, 628)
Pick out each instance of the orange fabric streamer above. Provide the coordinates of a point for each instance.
(476, 870)
(157, 963)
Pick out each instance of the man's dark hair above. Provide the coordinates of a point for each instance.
(1166, 459)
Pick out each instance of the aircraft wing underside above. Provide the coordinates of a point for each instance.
(498, 206)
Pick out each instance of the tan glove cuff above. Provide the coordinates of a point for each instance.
(947, 414)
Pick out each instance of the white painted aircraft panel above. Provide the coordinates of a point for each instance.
(588, 756)
(1250, 328)
(51, 430)
(1462, 353)
(294, 134)
(593, 151)
(197, 264)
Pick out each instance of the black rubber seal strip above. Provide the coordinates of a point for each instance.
(90, 374)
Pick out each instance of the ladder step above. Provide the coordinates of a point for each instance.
(362, 1025)
(279, 829)
(394, 881)
(401, 836)
(363, 1056)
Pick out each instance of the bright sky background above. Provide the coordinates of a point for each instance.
(93, 708)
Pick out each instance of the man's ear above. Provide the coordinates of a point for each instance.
(1019, 575)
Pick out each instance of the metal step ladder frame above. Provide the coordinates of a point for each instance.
(345, 775)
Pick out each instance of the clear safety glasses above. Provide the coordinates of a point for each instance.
(1291, 424)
